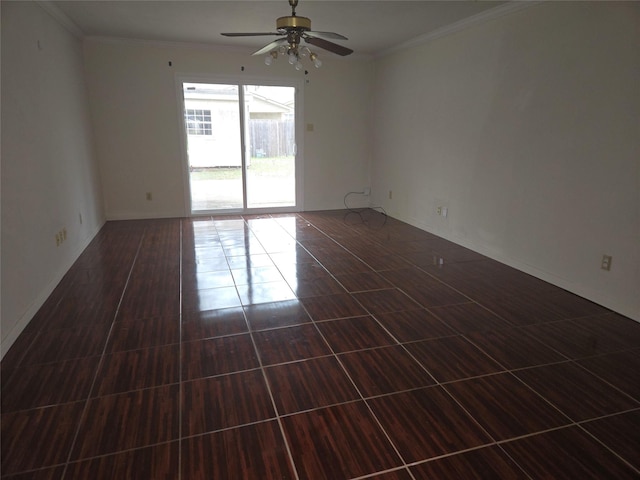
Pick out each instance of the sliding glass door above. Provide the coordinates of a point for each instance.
(241, 146)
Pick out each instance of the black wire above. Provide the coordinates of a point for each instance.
(360, 211)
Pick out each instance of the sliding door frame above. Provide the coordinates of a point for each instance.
(241, 81)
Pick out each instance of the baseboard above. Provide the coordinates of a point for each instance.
(143, 216)
(22, 323)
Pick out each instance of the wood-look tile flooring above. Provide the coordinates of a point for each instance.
(325, 345)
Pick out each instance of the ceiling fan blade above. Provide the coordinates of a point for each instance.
(249, 34)
(271, 46)
(335, 36)
(327, 45)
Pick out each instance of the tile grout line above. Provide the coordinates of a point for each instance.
(409, 262)
(362, 397)
(586, 369)
(495, 442)
(437, 382)
(581, 427)
(285, 440)
(180, 355)
(567, 360)
(385, 472)
(370, 314)
(480, 447)
(573, 423)
(335, 356)
(101, 361)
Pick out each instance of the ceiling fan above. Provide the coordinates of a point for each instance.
(293, 29)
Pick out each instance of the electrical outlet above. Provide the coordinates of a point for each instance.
(61, 236)
(439, 210)
(149, 196)
(606, 262)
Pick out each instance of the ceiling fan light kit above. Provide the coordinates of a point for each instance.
(293, 29)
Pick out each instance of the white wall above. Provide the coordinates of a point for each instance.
(135, 108)
(49, 175)
(527, 128)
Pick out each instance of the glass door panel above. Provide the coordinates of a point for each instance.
(214, 146)
(271, 145)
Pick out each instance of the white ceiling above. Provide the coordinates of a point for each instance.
(371, 26)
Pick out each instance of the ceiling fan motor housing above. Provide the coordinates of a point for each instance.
(293, 22)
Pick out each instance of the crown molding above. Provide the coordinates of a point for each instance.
(60, 17)
(164, 44)
(491, 14)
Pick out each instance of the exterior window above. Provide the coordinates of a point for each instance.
(198, 122)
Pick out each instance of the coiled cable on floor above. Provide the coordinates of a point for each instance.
(361, 212)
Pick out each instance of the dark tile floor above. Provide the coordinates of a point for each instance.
(325, 345)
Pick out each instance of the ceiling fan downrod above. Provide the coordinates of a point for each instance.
(301, 24)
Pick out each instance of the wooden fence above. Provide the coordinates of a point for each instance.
(272, 138)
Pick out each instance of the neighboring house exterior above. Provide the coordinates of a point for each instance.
(212, 119)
